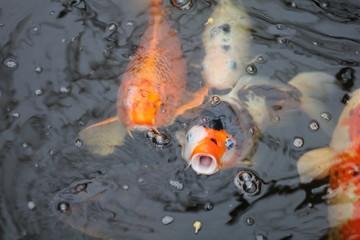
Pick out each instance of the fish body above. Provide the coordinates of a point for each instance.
(226, 41)
(152, 91)
(341, 162)
(227, 131)
(154, 81)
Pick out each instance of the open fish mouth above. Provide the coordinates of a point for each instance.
(203, 163)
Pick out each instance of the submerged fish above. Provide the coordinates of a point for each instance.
(226, 132)
(226, 41)
(131, 202)
(152, 90)
(341, 161)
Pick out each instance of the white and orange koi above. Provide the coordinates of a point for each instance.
(341, 162)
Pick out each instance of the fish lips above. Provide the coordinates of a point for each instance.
(203, 163)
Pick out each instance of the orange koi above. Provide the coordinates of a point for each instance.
(153, 87)
(341, 161)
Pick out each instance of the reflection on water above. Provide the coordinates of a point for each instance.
(61, 62)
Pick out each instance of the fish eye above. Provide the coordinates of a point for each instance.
(229, 143)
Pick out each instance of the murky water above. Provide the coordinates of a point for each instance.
(61, 63)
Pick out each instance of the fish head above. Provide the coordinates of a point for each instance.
(208, 149)
(220, 137)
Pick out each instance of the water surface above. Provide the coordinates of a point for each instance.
(61, 63)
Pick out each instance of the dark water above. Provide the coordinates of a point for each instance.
(60, 68)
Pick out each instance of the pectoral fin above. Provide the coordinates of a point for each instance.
(317, 88)
(315, 164)
(102, 138)
(197, 99)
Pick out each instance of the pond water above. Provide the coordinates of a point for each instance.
(61, 63)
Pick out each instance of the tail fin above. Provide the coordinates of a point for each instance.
(103, 138)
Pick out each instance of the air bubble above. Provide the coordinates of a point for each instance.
(1, 24)
(36, 28)
(275, 119)
(10, 63)
(315, 43)
(260, 59)
(112, 27)
(182, 4)
(245, 176)
(38, 69)
(279, 26)
(250, 187)
(31, 205)
(324, 4)
(250, 221)
(251, 69)
(314, 125)
(65, 90)
(247, 182)
(25, 145)
(178, 185)
(346, 78)
(63, 207)
(298, 142)
(167, 220)
(208, 206)
(78, 143)
(79, 188)
(215, 101)
(161, 140)
(326, 116)
(260, 237)
(281, 40)
(252, 131)
(39, 92)
(345, 98)
(52, 12)
(150, 133)
(16, 115)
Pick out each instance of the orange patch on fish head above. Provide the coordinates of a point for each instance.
(208, 148)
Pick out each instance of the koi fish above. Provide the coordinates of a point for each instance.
(341, 162)
(226, 132)
(219, 137)
(226, 40)
(152, 90)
